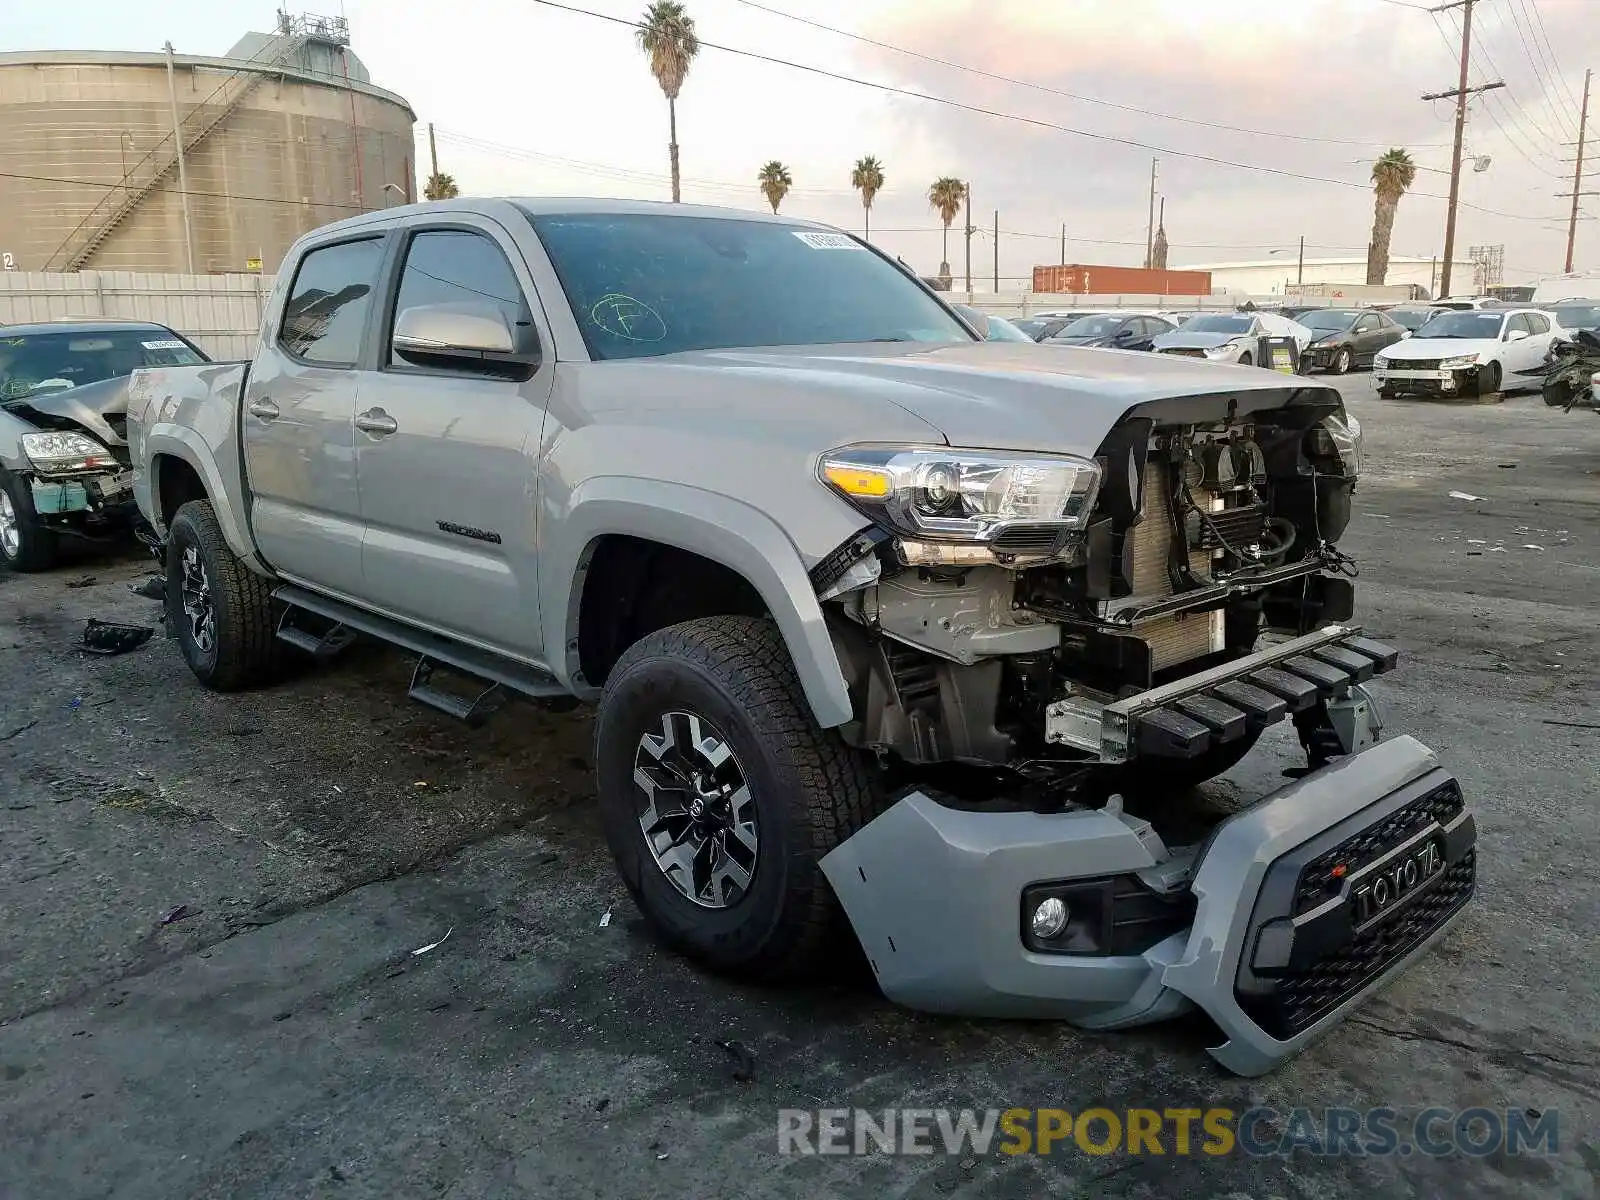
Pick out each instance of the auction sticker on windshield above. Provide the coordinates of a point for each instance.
(826, 241)
(163, 344)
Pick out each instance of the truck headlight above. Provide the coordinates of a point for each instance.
(962, 495)
(1458, 362)
(1341, 434)
(65, 453)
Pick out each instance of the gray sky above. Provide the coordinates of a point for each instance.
(530, 99)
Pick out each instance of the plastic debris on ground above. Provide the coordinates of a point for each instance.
(434, 945)
(177, 914)
(1466, 496)
(107, 637)
(83, 581)
(153, 588)
(605, 919)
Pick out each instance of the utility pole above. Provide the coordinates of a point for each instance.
(997, 252)
(967, 190)
(1150, 226)
(1577, 172)
(1300, 263)
(433, 151)
(183, 169)
(1063, 243)
(1459, 94)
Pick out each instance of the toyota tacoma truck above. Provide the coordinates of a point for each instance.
(898, 638)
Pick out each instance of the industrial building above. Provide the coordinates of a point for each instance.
(1279, 274)
(284, 133)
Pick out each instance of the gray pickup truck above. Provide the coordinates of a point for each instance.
(898, 637)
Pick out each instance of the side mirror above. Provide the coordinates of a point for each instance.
(1122, 335)
(460, 334)
(1516, 335)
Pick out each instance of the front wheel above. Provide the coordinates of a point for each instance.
(1558, 393)
(1489, 379)
(1247, 359)
(720, 795)
(1342, 361)
(221, 611)
(26, 543)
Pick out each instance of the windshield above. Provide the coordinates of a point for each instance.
(1463, 324)
(1578, 316)
(1327, 318)
(1002, 330)
(1216, 323)
(51, 362)
(1409, 318)
(643, 284)
(1092, 327)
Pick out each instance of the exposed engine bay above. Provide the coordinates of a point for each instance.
(1203, 537)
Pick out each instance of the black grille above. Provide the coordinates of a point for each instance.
(1027, 541)
(1306, 996)
(1415, 364)
(1238, 527)
(1318, 883)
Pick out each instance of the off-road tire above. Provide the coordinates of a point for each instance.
(1153, 776)
(810, 790)
(36, 549)
(1488, 379)
(245, 652)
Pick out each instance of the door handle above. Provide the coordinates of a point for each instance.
(376, 421)
(263, 408)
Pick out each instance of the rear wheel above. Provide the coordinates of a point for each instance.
(720, 795)
(26, 543)
(1489, 379)
(221, 611)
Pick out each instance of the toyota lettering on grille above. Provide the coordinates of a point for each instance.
(1393, 882)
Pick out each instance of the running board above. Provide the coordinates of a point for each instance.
(495, 671)
(319, 645)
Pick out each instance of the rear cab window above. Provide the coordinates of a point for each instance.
(325, 316)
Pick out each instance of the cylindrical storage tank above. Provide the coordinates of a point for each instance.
(287, 134)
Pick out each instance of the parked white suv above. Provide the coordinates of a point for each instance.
(1466, 352)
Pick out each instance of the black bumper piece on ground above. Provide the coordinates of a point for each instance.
(1251, 699)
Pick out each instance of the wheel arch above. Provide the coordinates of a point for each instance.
(727, 532)
(177, 460)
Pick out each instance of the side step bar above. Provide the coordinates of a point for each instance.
(497, 674)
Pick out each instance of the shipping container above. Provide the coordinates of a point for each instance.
(1083, 280)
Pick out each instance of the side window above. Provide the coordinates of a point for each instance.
(453, 266)
(1367, 324)
(1538, 322)
(1518, 321)
(326, 312)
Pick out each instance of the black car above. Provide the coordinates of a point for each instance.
(1116, 331)
(1347, 337)
(1040, 328)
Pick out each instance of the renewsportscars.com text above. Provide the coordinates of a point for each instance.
(1258, 1132)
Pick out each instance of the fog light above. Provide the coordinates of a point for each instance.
(1050, 918)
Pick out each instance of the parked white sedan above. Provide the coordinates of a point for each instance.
(1231, 337)
(1468, 352)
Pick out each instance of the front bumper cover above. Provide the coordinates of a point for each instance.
(933, 894)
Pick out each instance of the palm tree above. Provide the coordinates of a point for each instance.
(666, 34)
(867, 178)
(1392, 174)
(774, 181)
(945, 197)
(441, 186)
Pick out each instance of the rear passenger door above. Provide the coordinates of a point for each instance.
(299, 446)
(446, 451)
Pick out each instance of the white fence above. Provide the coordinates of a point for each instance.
(219, 313)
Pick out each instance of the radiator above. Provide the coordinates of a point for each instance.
(1183, 636)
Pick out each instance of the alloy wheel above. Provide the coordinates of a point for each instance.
(196, 597)
(10, 527)
(695, 810)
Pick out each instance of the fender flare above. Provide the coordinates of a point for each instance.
(717, 527)
(187, 446)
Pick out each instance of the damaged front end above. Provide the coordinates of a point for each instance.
(1129, 625)
(71, 447)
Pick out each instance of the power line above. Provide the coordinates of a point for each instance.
(112, 187)
(1545, 34)
(890, 89)
(1053, 91)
